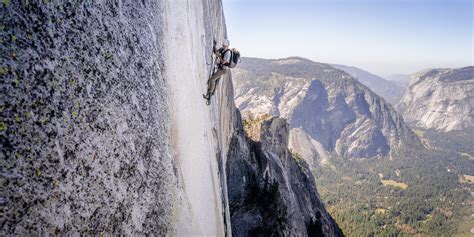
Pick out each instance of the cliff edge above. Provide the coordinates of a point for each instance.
(103, 125)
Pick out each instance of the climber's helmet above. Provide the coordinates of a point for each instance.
(225, 43)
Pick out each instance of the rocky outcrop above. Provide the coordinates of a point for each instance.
(326, 108)
(391, 91)
(271, 193)
(440, 99)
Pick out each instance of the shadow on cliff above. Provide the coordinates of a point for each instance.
(270, 192)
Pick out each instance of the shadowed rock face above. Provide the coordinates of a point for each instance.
(326, 108)
(440, 99)
(84, 120)
(313, 117)
(271, 193)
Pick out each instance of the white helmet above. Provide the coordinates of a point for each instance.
(226, 42)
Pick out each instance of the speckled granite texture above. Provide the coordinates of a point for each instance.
(84, 119)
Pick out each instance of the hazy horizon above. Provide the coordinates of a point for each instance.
(383, 37)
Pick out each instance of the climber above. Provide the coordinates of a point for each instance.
(224, 60)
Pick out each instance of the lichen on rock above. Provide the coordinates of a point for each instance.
(84, 120)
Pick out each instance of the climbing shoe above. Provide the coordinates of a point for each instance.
(207, 98)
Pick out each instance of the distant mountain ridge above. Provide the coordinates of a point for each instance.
(440, 99)
(328, 111)
(389, 90)
(401, 79)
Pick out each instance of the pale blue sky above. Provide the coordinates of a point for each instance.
(382, 36)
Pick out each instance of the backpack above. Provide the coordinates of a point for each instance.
(234, 58)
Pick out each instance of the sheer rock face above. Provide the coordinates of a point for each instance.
(441, 99)
(326, 108)
(86, 117)
(85, 120)
(270, 192)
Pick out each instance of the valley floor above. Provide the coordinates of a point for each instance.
(416, 194)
